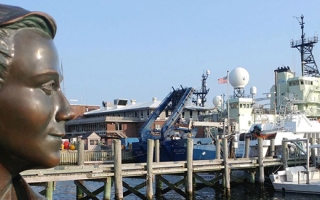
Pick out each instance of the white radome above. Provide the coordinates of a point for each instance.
(217, 101)
(239, 77)
(253, 90)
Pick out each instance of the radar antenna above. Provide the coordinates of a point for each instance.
(201, 94)
(305, 46)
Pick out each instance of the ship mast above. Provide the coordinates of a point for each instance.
(202, 93)
(305, 46)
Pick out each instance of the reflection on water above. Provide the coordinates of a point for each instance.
(243, 191)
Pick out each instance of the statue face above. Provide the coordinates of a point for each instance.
(32, 107)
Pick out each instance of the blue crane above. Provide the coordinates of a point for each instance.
(176, 101)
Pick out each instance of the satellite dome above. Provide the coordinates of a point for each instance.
(239, 77)
(253, 90)
(217, 101)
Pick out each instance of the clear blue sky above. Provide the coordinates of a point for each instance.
(140, 49)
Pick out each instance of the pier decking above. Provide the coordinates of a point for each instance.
(106, 172)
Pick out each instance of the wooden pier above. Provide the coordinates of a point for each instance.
(153, 169)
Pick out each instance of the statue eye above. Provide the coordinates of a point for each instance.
(48, 87)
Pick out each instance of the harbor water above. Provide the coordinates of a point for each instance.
(244, 191)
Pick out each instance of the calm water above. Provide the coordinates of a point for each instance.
(243, 191)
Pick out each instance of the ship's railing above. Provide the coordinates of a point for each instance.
(70, 157)
(308, 40)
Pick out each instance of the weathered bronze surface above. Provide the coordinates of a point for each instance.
(33, 109)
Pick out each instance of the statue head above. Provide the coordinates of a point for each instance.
(33, 108)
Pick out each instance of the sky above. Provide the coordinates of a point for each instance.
(141, 49)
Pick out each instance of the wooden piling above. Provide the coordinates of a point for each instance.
(313, 150)
(252, 176)
(218, 151)
(260, 160)
(247, 146)
(189, 168)
(107, 188)
(80, 160)
(118, 187)
(80, 193)
(218, 147)
(157, 159)
(112, 150)
(272, 148)
(226, 168)
(149, 180)
(284, 155)
(49, 190)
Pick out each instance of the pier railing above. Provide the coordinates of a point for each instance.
(70, 157)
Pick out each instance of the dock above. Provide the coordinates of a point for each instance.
(152, 171)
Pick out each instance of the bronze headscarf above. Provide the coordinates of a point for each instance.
(11, 14)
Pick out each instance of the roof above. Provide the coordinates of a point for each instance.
(87, 134)
(140, 106)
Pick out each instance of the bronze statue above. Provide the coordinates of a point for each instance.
(33, 108)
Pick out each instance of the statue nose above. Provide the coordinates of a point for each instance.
(64, 110)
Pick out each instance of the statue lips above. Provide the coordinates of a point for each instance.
(57, 135)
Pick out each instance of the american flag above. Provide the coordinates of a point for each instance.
(223, 80)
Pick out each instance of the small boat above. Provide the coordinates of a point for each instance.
(292, 126)
(299, 179)
(295, 179)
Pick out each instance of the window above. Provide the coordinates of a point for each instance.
(118, 126)
(93, 142)
(167, 113)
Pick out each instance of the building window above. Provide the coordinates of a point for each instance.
(118, 126)
(93, 142)
(190, 113)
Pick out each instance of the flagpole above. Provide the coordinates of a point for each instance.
(228, 101)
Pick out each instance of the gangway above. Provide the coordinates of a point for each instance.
(175, 100)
